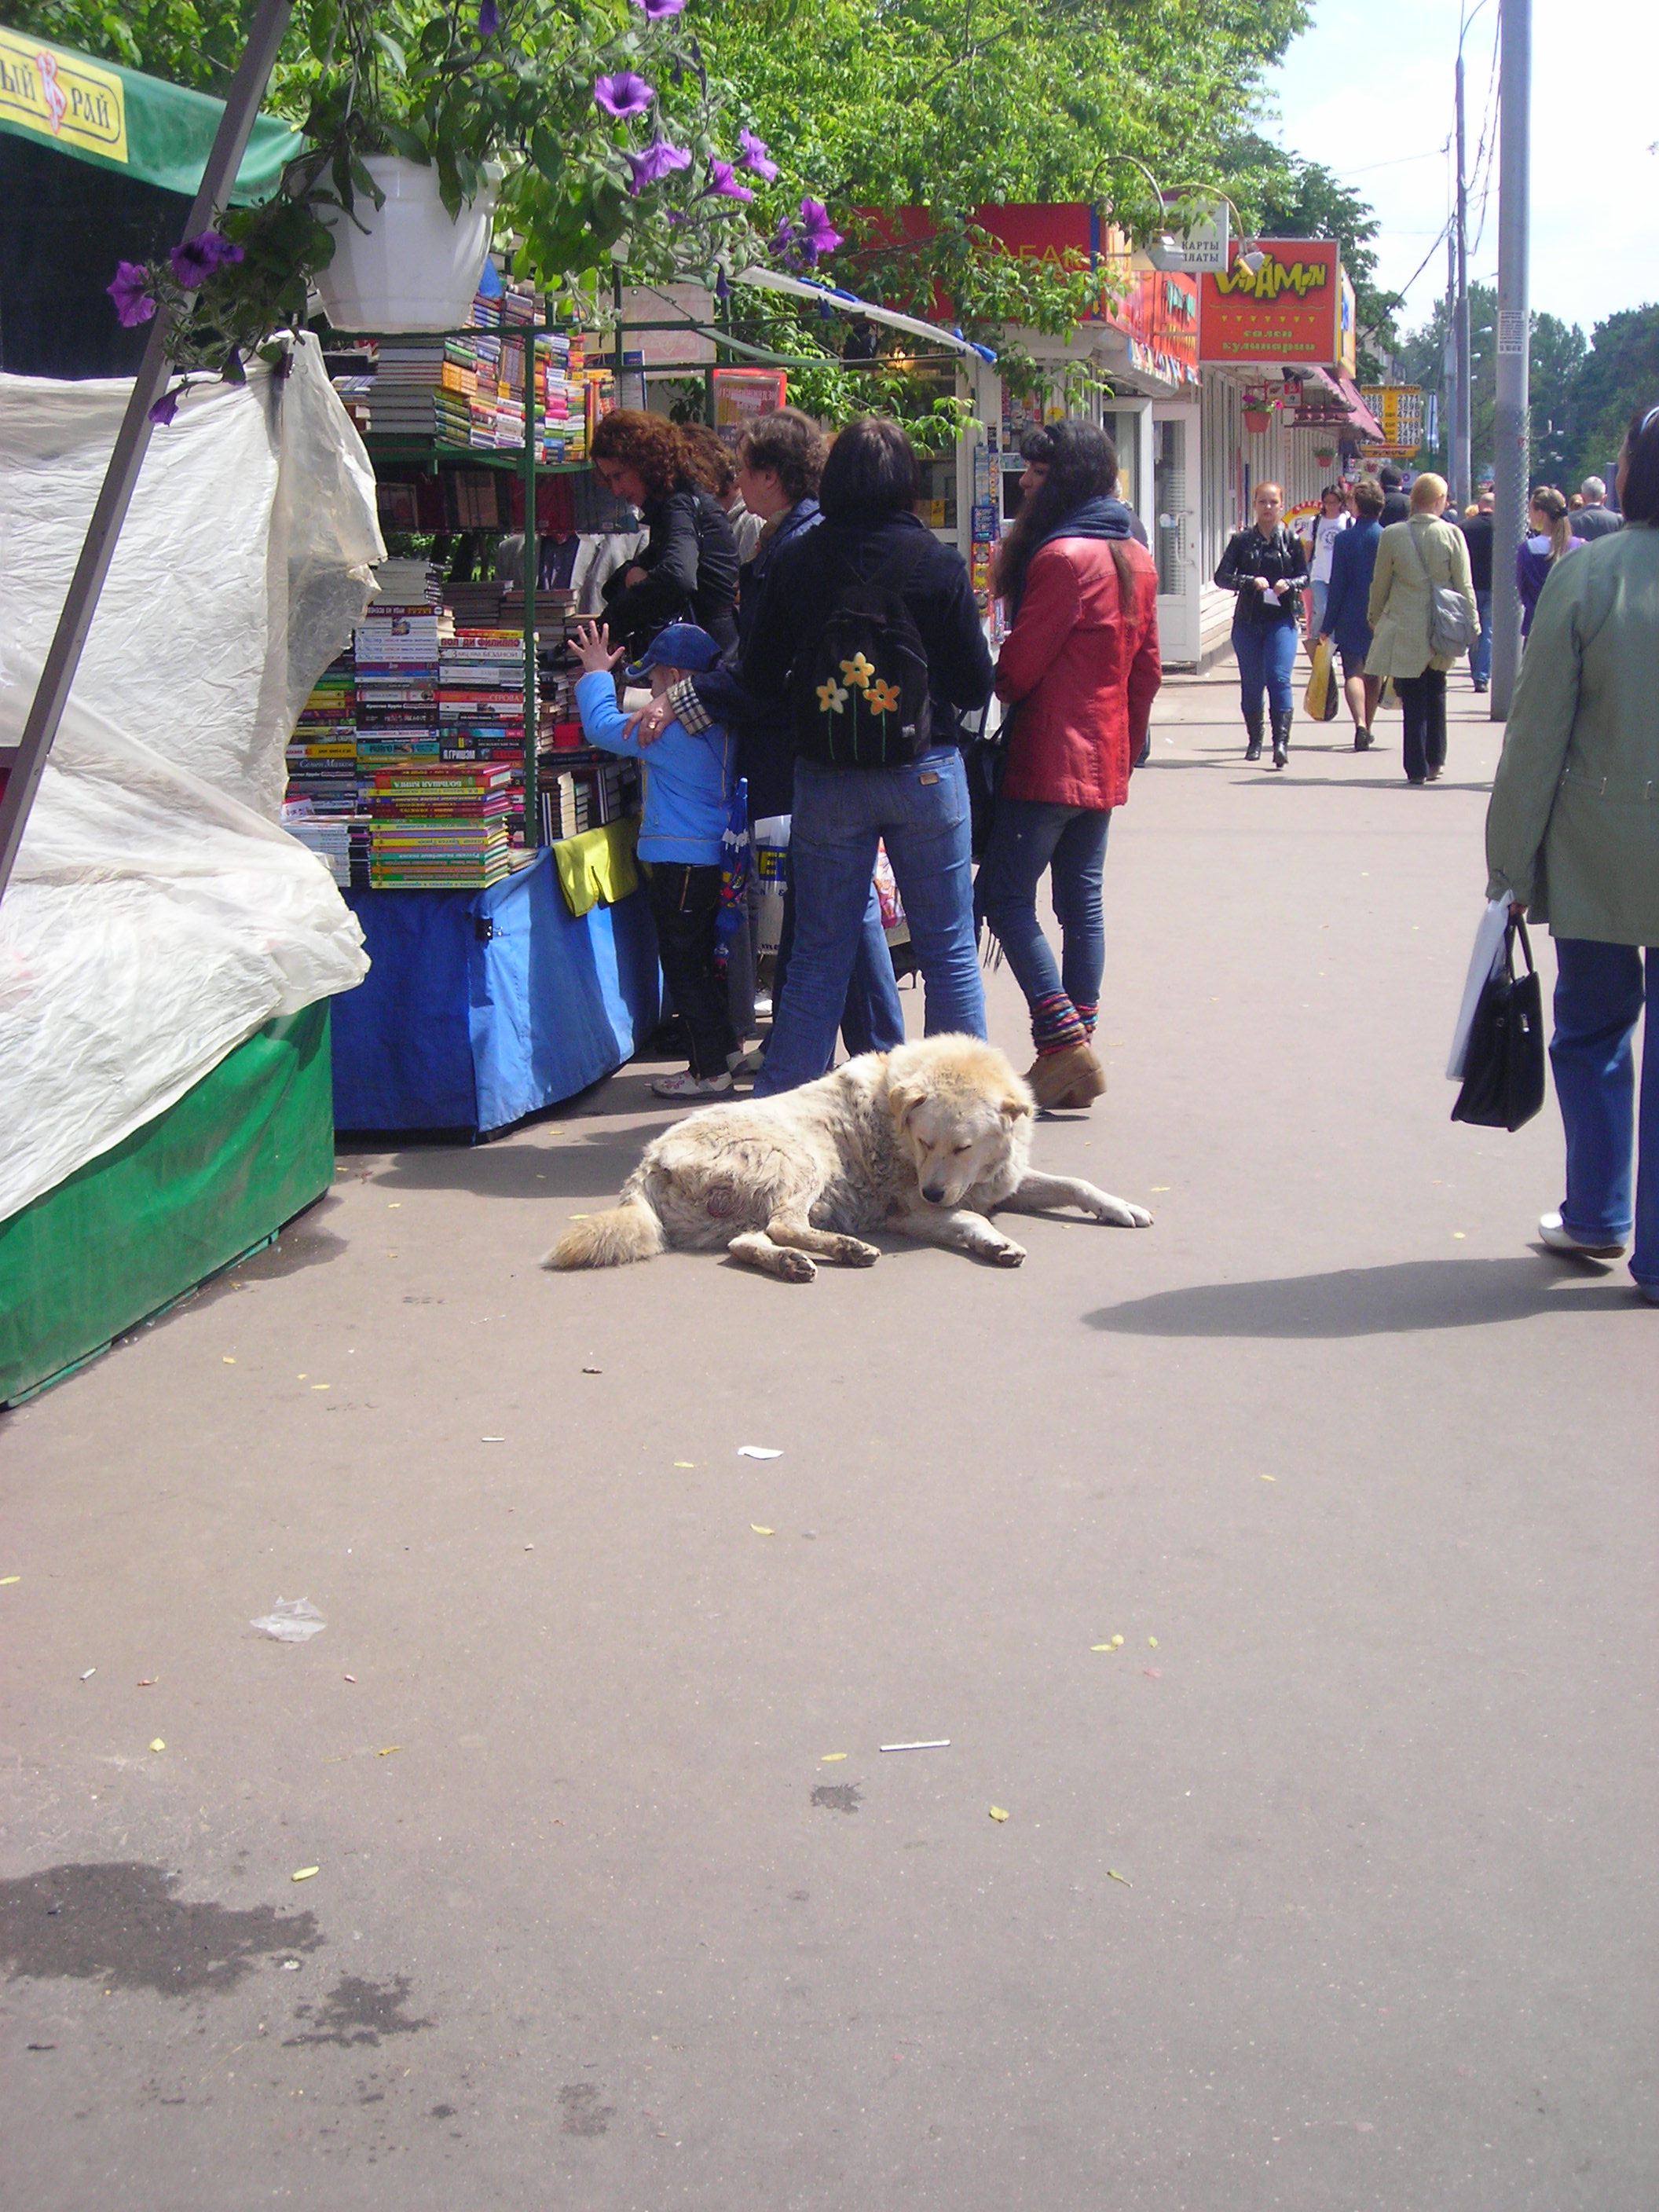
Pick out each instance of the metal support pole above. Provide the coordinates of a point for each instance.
(23, 769)
(1511, 451)
(532, 558)
(1462, 427)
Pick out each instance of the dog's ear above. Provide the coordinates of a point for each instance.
(902, 1099)
(1016, 1103)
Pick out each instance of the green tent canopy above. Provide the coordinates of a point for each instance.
(139, 126)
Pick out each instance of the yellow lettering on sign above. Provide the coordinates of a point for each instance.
(1273, 278)
(62, 96)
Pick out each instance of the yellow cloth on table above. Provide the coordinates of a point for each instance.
(598, 868)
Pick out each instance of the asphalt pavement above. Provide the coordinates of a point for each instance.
(1282, 1572)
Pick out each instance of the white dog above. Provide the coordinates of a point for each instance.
(927, 1141)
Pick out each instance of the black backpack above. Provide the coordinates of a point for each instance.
(860, 689)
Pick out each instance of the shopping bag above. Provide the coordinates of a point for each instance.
(1504, 1065)
(1319, 701)
(1484, 962)
(771, 863)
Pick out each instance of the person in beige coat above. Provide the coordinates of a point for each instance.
(1572, 835)
(1411, 555)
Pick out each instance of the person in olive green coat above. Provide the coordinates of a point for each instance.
(1572, 835)
(1410, 556)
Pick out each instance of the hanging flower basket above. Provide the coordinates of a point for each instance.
(411, 266)
(1258, 419)
(1324, 455)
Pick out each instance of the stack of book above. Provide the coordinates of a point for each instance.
(322, 754)
(439, 827)
(583, 789)
(481, 707)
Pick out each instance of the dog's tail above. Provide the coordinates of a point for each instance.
(629, 1231)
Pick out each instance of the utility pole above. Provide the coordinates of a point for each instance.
(1510, 435)
(1463, 422)
(1448, 366)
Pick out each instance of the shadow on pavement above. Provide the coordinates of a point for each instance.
(1411, 1295)
(573, 1166)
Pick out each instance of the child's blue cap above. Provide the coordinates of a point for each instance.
(679, 645)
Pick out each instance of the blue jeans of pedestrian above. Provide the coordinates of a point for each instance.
(1027, 837)
(1598, 1002)
(1480, 651)
(1319, 593)
(871, 1019)
(920, 811)
(1266, 651)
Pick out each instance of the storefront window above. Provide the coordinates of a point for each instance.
(1170, 466)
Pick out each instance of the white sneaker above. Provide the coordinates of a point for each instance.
(1550, 1228)
(687, 1086)
(747, 1063)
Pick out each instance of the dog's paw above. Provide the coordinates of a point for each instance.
(1008, 1256)
(1117, 1212)
(852, 1252)
(794, 1268)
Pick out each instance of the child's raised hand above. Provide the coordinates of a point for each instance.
(592, 649)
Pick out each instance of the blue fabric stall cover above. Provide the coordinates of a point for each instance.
(483, 1006)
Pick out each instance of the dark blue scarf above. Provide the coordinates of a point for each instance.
(1100, 517)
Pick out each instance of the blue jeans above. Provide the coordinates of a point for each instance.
(1027, 837)
(1480, 651)
(871, 1019)
(1598, 1003)
(1265, 654)
(1319, 593)
(921, 813)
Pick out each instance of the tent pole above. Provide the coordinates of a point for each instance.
(25, 766)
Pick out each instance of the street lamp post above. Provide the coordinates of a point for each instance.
(1510, 429)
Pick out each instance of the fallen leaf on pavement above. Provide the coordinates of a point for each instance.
(829, 1757)
(156, 1744)
(386, 1750)
(997, 1814)
(1112, 1874)
(759, 1531)
(304, 1873)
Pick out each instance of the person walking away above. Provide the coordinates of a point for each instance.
(1081, 667)
(1595, 518)
(1267, 566)
(872, 566)
(1397, 505)
(1353, 557)
(1328, 526)
(1411, 558)
(689, 782)
(1572, 835)
(779, 460)
(1552, 539)
(688, 569)
(1478, 537)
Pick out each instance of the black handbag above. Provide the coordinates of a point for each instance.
(1504, 1065)
(985, 758)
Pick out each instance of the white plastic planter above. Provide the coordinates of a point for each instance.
(411, 266)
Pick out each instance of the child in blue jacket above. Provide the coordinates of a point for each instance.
(689, 781)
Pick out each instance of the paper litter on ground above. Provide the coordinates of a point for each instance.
(291, 1620)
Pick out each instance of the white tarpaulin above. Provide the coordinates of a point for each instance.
(157, 914)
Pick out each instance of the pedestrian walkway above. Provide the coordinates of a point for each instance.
(1281, 1572)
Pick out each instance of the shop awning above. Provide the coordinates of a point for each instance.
(116, 119)
(848, 303)
(1360, 417)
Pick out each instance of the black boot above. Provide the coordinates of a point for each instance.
(1281, 738)
(1253, 728)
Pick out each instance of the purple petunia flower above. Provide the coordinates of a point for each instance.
(623, 95)
(659, 160)
(130, 293)
(202, 257)
(233, 372)
(722, 286)
(723, 184)
(165, 407)
(490, 19)
(655, 11)
(817, 234)
(754, 157)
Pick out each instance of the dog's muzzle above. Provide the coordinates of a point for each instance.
(935, 1197)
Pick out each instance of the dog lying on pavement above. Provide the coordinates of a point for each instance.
(929, 1141)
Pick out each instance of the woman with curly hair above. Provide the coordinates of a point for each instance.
(689, 570)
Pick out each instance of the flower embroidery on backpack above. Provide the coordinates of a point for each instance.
(883, 698)
(832, 696)
(858, 670)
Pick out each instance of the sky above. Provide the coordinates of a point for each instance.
(1368, 91)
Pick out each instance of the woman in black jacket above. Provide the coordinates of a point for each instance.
(1267, 565)
(871, 535)
(689, 570)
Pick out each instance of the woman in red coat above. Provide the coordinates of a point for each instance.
(1081, 666)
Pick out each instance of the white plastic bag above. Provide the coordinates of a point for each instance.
(1483, 964)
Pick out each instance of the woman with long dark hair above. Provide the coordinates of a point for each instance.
(1080, 669)
(1572, 835)
(689, 570)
